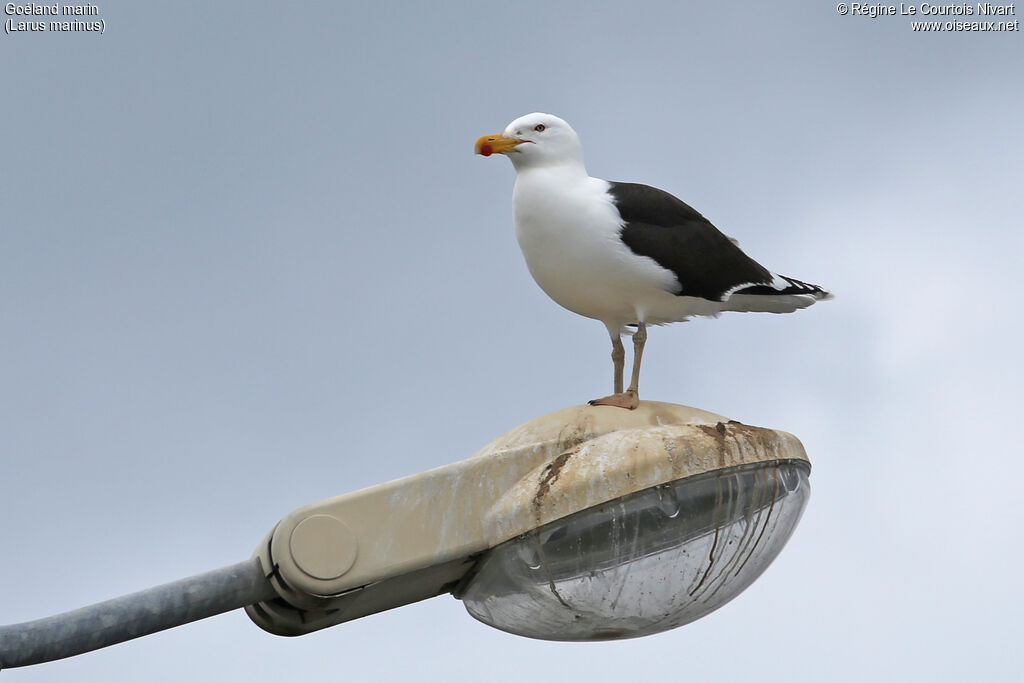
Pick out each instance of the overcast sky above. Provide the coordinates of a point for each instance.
(248, 261)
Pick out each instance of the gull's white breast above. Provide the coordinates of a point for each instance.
(569, 232)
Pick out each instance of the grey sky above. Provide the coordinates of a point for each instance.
(248, 261)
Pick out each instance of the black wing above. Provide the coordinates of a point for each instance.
(707, 263)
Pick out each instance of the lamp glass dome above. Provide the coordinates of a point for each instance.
(643, 563)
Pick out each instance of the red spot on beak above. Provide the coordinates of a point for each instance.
(486, 150)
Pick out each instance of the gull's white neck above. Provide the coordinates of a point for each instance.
(541, 188)
(568, 166)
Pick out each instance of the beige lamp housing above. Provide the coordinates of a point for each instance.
(592, 522)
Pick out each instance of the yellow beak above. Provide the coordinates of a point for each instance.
(496, 144)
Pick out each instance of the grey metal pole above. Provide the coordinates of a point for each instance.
(135, 615)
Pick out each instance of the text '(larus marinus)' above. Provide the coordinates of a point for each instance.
(628, 255)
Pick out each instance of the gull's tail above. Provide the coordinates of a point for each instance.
(781, 295)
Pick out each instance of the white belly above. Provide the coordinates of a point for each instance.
(569, 234)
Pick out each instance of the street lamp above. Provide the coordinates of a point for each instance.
(590, 523)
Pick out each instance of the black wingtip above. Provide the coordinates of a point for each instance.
(794, 286)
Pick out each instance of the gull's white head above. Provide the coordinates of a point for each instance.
(533, 141)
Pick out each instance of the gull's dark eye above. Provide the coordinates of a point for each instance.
(539, 127)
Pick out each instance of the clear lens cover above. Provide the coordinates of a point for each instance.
(645, 563)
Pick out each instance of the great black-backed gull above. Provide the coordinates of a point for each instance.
(628, 255)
